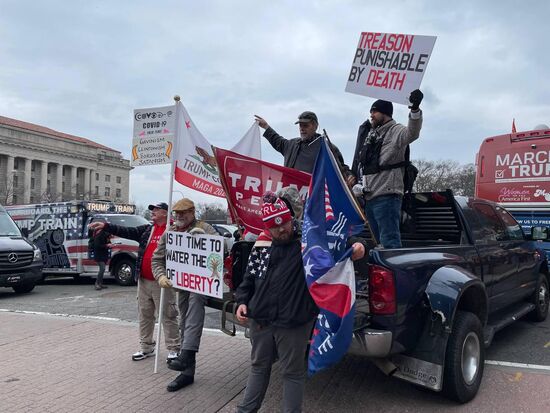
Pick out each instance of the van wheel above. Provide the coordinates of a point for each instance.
(541, 299)
(23, 288)
(124, 272)
(464, 359)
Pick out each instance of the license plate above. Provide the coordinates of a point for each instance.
(13, 279)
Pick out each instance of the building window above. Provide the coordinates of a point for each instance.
(50, 168)
(15, 181)
(64, 170)
(107, 178)
(49, 186)
(107, 191)
(97, 177)
(118, 193)
(97, 190)
(32, 183)
(33, 166)
(118, 180)
(15, 200)
(16, 163)
(63, 187)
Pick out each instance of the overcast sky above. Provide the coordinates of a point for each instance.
(82, 67)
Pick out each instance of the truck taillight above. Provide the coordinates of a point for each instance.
(381, 290)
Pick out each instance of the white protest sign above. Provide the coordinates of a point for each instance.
(389, 66)
(195, 262)
(153, 140)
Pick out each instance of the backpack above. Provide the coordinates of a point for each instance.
(370, 154)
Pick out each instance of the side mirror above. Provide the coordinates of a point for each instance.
(540, 233)
(227, 235)
(25, 232)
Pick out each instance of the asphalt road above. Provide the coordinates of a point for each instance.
(525, 345)
(523, 342)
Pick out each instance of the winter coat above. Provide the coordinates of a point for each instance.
(395, 137)
(274, 286)
(300, 154)
(99, 241)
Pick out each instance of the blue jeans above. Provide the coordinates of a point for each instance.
(383, 214)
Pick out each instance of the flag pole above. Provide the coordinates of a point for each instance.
(173, 167)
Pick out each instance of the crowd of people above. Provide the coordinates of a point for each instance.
(273, 298)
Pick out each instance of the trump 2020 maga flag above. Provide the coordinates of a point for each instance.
(331, 217)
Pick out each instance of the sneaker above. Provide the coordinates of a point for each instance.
(141, 355)
(171, 356)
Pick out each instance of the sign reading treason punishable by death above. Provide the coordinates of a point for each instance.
(389, 66)
(194, 262)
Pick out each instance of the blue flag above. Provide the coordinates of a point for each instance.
(330, 217)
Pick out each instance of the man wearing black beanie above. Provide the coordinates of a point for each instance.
(379, 163)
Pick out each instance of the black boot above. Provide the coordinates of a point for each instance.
(180, 382)
(185, 360)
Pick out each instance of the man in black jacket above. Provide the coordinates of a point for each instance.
(99, 242)
(148, 286)
(301, 153)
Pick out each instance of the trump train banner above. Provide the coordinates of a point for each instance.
(246, 179)
(195, 164)
(389, 66)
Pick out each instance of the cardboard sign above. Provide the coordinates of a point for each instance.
(153, 140)
(389, 66)
(194, 262)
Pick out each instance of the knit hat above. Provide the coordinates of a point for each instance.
(275, 212)
(382, 106)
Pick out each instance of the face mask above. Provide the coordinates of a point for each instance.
(179, 223)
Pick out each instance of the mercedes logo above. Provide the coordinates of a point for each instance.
(12, 257)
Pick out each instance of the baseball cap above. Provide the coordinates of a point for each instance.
(160, 205)
(306, 117)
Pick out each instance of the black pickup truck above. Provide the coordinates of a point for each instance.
(426, 312)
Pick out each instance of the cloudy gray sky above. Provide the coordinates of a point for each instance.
(81, 67)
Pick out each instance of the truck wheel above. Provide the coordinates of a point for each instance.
(464, 359)
(23, 288)
(124, 272)
(541, 298)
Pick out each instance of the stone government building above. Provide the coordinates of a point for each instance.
(39, 164)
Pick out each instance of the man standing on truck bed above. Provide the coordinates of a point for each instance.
(379, 163)
(191, 305)
(301, 153)
(148, 288)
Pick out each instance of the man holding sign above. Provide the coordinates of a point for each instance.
(381, 154)
(191, 305)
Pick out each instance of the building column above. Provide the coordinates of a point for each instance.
(9, 179)
(87, 183)
(58, 182)
(43, 179)
(72, 189)
(27, 181)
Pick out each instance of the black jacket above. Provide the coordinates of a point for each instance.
(362, 133)
(99, 241)
(140, 234)
(301, 155)
(274, 286)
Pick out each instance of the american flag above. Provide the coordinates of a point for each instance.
(258, 262)
(328, 267)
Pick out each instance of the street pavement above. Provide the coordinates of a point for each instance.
(77, 363)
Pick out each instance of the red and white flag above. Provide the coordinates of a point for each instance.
(195, 164)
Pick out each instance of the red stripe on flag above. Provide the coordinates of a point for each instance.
(335, 298)
(198, 184)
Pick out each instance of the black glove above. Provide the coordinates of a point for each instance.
(415, 98)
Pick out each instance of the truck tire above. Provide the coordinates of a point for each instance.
(541, 298)
(23, 288)
(124, 271)
(464, 359)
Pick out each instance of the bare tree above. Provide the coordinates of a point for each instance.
(444, 174)
(7, 190)
(212, 212)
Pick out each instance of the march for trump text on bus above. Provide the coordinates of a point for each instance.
(194, 262)
(389, 66)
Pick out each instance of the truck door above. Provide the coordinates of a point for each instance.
(498, 253)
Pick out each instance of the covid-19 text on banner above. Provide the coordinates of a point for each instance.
(389, 66)
(153, 140)
(194, 262)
